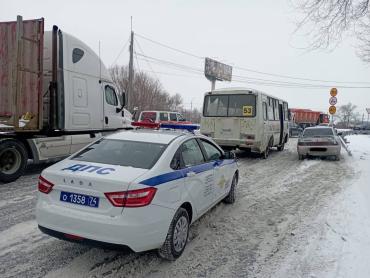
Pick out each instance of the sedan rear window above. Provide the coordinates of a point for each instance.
(318, 132)
(121, 152)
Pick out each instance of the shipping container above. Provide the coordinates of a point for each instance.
(21, 74)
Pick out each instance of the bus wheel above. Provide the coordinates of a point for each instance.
(281, 147)
(266, 153)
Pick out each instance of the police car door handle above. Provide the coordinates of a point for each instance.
(191, 174)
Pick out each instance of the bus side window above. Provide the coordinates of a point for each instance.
(276, 109)
(286, 111)
(270, 110)
(272, 105)
(264, 108)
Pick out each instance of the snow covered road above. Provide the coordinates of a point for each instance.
(276, 228)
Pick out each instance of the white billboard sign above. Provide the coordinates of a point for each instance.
(215, 70)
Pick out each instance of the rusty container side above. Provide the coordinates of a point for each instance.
(21, 61)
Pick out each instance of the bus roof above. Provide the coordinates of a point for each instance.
(234, 90)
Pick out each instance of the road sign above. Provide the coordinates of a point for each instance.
(332, 110)
(333, 92)
(333, 101)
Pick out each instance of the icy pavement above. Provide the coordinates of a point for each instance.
(291, 219)
(339, 242)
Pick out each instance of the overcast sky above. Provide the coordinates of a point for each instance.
(256, 35)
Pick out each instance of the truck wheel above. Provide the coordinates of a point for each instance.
(177, 236)
(13, 160)
(230, 198)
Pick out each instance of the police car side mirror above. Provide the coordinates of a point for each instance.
(229, 155)
(175, 164)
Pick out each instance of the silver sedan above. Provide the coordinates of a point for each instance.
(319, 141)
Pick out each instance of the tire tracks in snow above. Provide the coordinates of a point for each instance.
(274, 198)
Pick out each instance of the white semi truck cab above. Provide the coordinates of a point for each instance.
(56, 96)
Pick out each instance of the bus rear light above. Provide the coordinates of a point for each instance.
(44, 185)
(132, 198)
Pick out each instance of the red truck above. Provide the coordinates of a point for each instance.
(308, 117)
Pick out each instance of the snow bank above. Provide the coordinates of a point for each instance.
(337, 242)
(355, 257)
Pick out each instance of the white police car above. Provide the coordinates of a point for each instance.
(139, 188)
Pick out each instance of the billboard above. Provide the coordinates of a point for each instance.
(215, 70)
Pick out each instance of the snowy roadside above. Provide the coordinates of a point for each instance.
(339, 242)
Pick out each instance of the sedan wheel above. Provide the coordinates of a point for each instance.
(180, 235)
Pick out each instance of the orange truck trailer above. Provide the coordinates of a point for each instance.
(308, 117)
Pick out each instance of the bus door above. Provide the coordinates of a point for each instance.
(281, 117)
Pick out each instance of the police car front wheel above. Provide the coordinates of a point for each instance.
(230, 198)
(177, 236)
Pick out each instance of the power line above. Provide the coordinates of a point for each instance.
(169, 63)
(256, 71)
(247, 79)
(173, 74)
(119, 54)
(302, 86)
(150, 66)
(170, 47)
(300, 78)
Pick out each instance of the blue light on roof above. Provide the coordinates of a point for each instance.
(188, 127)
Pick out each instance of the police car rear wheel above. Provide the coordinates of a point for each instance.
(177, 236)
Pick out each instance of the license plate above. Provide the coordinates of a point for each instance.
(79, 199)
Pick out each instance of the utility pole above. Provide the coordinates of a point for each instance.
(130, 69)
(191, 109)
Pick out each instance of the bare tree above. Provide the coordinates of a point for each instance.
(326, 21)
(148, 93)
(347, 113)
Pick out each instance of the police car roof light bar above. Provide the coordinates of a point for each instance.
(187, 127)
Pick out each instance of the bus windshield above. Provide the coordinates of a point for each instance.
(238, 105)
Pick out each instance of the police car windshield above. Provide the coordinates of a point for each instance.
(121, 152)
